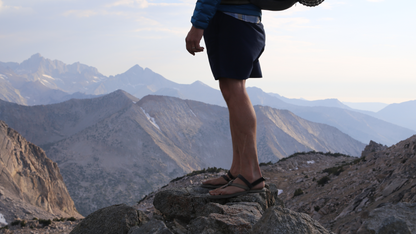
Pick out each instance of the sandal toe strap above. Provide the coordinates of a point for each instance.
(230, 176)
(226, 178)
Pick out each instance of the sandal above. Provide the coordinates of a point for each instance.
(228, 178)
(247, 189)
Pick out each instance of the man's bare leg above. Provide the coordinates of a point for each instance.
(243, 132)
(235, 165)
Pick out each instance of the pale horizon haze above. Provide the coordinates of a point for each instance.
(354, 51)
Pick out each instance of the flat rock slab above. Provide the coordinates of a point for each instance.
(187, 204)
(236, 217)
(202, 214)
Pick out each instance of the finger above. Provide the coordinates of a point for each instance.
(189, 49)
(198, 49)
(194, 49)
(188, 46)
(193, 46)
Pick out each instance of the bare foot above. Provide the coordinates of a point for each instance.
(216, 181)
(219, 181)
(233, 189)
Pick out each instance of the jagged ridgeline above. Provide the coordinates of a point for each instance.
(117, 148)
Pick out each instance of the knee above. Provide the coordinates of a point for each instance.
(232, 88)
(225, 90)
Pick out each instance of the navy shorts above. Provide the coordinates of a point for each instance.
(234, 47)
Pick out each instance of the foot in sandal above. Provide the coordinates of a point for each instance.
(218, 182)
(239, 186)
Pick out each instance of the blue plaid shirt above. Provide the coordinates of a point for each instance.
(246, 18)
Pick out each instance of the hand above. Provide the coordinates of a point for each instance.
(193, 39)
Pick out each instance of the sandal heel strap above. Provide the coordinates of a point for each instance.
(251, 185)
(245, 181)
(261, 179)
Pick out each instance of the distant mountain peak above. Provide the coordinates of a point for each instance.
(135, 68)
(33, 64)
(255, 88)
(133, 71)
(121, 94)
(199, 83)
(37, 55)
(34, 59)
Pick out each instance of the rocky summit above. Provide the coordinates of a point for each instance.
(308, 192)
(190, 210)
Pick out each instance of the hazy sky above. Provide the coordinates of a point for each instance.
(353, 50)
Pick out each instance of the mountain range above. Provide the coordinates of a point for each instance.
(358, 125)
(39, 81)
(115, 146)
(104, 145)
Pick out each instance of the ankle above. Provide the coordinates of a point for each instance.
(234, 173)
